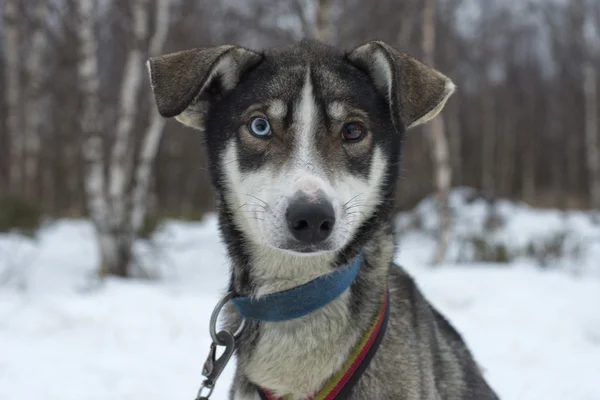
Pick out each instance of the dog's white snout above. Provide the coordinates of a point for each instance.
(310, 187)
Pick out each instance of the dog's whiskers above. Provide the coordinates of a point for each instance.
(254, 217)
(263, 208)
(346, 203)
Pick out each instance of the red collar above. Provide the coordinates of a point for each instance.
(340, 385)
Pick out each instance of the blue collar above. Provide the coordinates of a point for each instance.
(302, 300)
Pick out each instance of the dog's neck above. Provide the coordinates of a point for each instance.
(297, 357)
(276, 270)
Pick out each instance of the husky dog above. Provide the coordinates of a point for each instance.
(304, 144)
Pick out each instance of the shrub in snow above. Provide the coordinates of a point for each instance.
(502, 231)
(150, 226)
(551, 250)
(20, 216)
(482, 249)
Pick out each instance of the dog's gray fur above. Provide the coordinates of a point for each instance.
(304, 90)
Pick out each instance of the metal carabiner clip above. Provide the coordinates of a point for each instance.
(213, 366)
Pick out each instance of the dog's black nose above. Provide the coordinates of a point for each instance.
(310, 222)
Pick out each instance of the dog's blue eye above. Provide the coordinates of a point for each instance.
(259, 127)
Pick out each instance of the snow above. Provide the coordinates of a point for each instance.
(536, 332)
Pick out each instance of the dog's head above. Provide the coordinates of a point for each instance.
(303, 142)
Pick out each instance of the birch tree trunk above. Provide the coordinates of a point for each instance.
(35, 106)
(120, 235)
(91, 128)
(323, 32)
(118, 204)
(590, 88)
(155, 129)
(435, 132)
(122, 152)
(12, 84)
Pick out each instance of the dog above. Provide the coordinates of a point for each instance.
(303, 146)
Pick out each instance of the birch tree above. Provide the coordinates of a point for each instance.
(323, 20)
(435, 132)
(121, 157)
(91, 129)
(121, 160)
(118, 201)
(12, 84)
(154, 131)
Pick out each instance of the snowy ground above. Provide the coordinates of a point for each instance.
(536, 333)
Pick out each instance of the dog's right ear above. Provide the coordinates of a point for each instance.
(186, 83)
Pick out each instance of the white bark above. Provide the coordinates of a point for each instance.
(161, 27)
(155, 130)
(592, 145)
(13, 94)
(442, 180)
(35, 103)
(117, 208)
(143, 171)
(122, 154)
(439, 143)
(323, 18)
(91, 128)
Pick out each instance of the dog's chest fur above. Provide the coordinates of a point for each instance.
(296, 357)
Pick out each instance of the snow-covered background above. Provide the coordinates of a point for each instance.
(533, 324)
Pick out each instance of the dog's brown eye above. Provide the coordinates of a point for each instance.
(353, 132)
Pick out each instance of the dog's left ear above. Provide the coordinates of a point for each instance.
(187, 83)
(416, 93)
